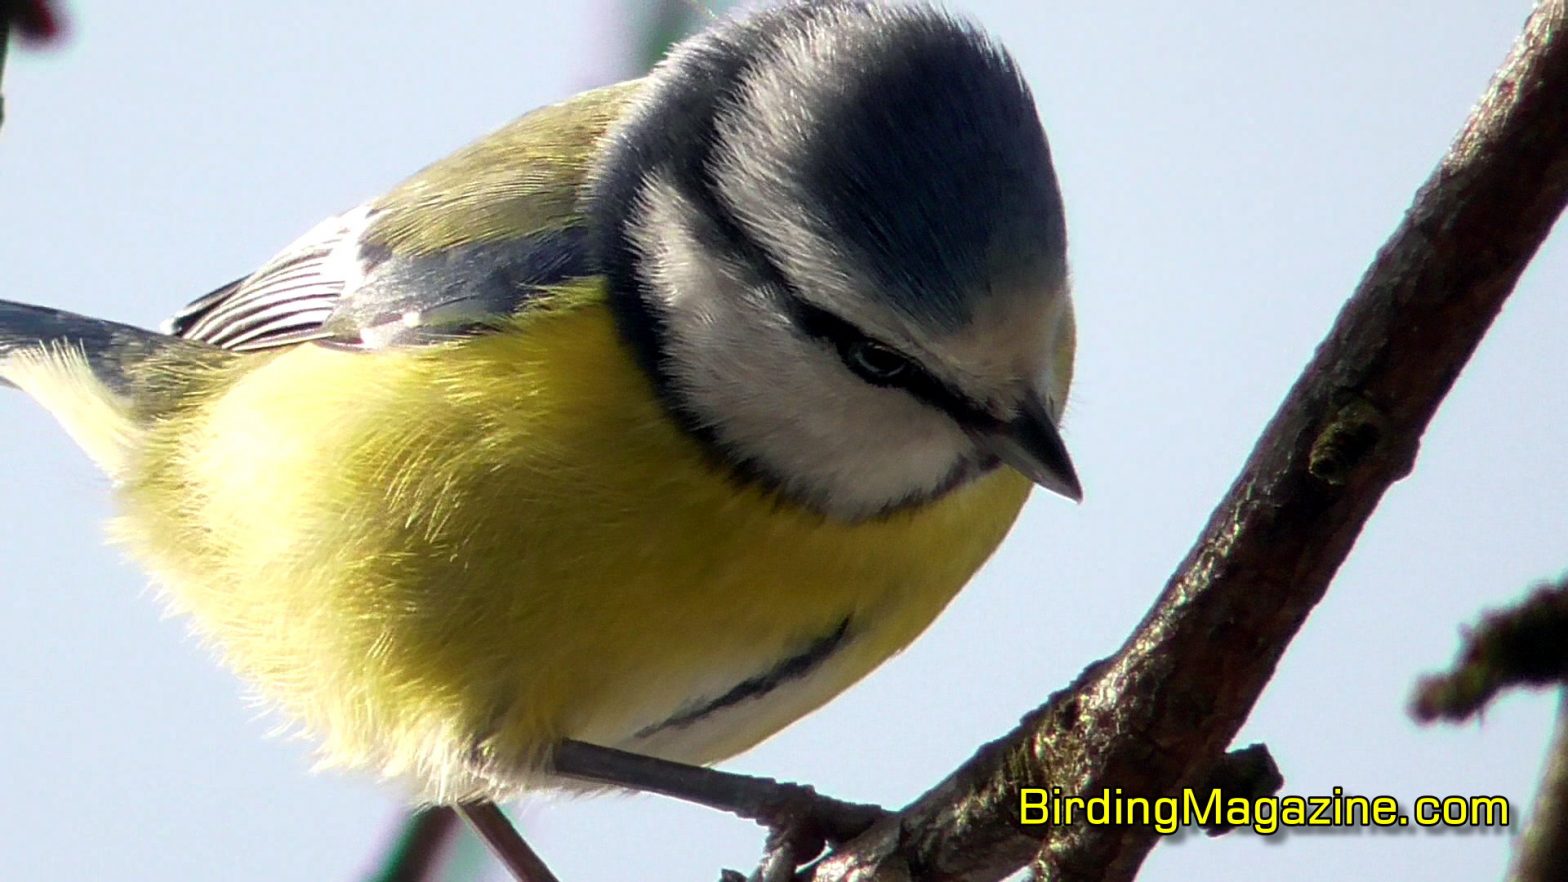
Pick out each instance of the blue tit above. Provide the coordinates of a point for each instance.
(652, 420)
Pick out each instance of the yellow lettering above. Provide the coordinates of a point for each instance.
(1352, 803)
(1133, 803)
(1068, 804)
(1493, 808)
(1238, 811)
(1320, 805)
(1167, 815)
(1385, 811)
(1102, 803)
(1206, 816)
(1292, 811)
(1031, 806)
(1266, 811)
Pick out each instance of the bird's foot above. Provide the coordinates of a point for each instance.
(801, 824)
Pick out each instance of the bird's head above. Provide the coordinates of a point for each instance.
(834, 234)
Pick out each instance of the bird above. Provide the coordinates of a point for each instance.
(652, 420)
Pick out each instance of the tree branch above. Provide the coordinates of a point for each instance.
(1155, 717)
(1525, 645)
(5, 45)
(1542, 852)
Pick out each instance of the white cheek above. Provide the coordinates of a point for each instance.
(780, 398)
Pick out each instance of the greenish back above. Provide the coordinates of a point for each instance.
(525, 179)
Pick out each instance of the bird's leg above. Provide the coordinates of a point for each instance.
(796, 814)
(505, 842)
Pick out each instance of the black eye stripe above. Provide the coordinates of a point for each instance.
(843, 336)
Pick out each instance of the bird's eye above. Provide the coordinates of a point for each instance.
(874, 362)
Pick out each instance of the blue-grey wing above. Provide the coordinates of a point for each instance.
(338, 286)
(288, 300)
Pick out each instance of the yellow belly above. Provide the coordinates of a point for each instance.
(443, 560)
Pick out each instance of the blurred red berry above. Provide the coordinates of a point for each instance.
(37, 21)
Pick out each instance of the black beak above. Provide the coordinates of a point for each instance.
(1031, 444)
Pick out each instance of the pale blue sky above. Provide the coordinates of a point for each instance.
(1229, 169)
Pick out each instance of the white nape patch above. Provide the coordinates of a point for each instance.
(774, 395)
(59, 377)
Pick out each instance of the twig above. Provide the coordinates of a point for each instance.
(1156, 716)
(1542, 852)
(1249, 773)
(505, 843)
(1523, 645)
(424, 837)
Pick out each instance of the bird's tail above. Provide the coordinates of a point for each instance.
(81, 370)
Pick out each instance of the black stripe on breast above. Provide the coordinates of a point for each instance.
(793, 668)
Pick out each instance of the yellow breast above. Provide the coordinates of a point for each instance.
(444, 559)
